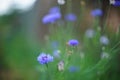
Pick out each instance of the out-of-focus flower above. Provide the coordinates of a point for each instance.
(61, 2)
(105, 55)
(56, 53)
(51, 18)
(54, 45)
(112, 1)
(73, 42)
(54, 9)
(89, 33)
(73, 69)
(44, 58)
(104, 40)
(61, 66)
(82, 3)
(96, 12)
(70, 17)
(115, 2)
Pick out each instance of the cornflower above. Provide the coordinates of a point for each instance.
(104, 40)
(96, 12)
(70, 17)
(73, 69)
(44, 58)
(73, 42)
(54, 9)
(115, 2)
(51, 18)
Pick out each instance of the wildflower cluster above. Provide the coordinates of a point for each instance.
(86, 56)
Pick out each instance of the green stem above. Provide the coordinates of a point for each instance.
(69, 6)
(47, 73)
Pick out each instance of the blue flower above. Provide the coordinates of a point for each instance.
(70, 17)
(96, 12)
(51, 18)
(73, 42)
(53, 15)
(54, 10)
(73, 69)
(117, 3)
(104, 40)
(44, 58)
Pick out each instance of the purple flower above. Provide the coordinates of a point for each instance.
(115, 2)
(54, 10)
(70, 17)
(96, 12)
(73, 69)
(44, 58)
(51, 18)
(104, 40)
(73, 42)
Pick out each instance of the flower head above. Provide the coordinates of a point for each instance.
(115, 2)
(51, 18)
(55, 9)
(61, 2)
(73, 68)
(70, 17)
(96, 12)
(73, 42)
(44, 58)
(104, 40)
